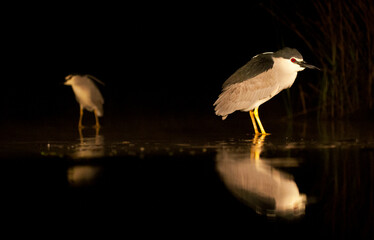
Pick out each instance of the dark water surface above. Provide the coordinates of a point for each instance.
(305, 180)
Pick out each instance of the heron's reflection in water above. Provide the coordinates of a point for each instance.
(269, 191)
(90, 146)
(85, 173)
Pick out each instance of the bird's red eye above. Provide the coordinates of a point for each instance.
(293, 60)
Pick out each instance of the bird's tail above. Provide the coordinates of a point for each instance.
(99, 111)
(218, 109)
(226, 103)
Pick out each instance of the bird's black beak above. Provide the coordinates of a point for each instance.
(305, 65)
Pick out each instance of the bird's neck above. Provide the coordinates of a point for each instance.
(286, 74)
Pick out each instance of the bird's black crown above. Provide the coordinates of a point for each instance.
(288, 53)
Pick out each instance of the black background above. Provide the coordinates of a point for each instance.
(157, 60)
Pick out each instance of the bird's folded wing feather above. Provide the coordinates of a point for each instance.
(244, 95)
(95, 78)
(256, 66)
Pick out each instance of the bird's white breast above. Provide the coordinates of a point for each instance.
(285, 72)
(83, 90)
(82, 94)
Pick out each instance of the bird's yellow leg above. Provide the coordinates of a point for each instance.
(97, 131)
(80, 118)
(254, 122)
(80, 135)
(97, 120)
(259, 121)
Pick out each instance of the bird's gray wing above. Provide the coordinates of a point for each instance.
(257, 65)
(245, 95)
(96, 97)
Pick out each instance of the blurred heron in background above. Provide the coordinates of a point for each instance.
(87, 95)
(263, 77)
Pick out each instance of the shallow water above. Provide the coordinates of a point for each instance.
(305, 180)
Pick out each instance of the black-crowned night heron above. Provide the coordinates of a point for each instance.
(87, 95)
(263, 77)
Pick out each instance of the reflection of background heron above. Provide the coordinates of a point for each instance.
(262, 187)
(87, 95)
(90, 146)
